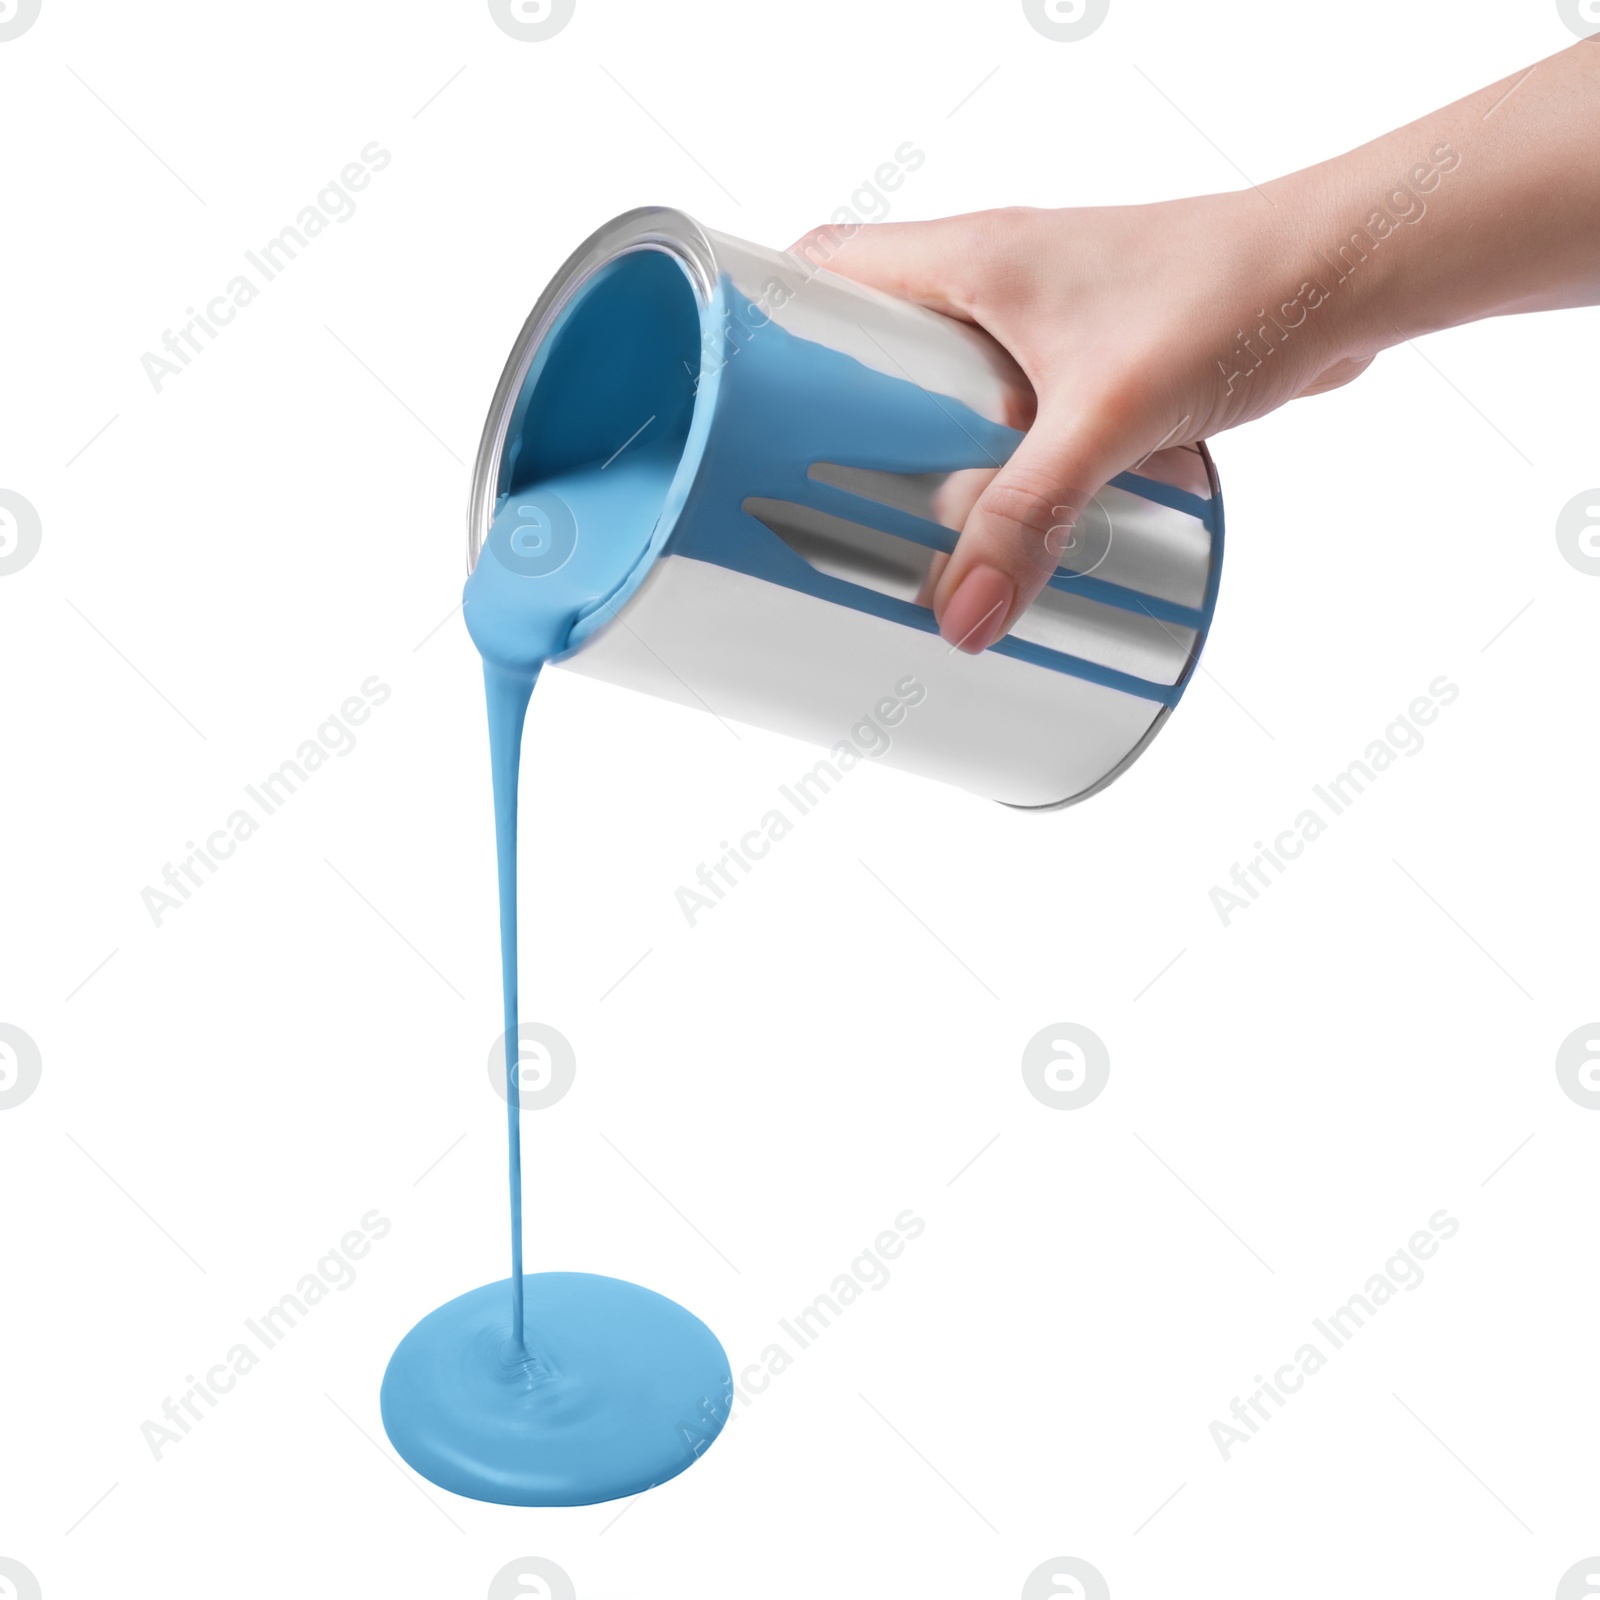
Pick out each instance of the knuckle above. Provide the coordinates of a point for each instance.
(1002, 268)
(995, 262)
(1003, 224)
(819, 245)
(1027, 503)
(1128, 394)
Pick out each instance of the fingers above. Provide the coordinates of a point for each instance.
(954, 499)
(930, 263)
(1017, 521)
(930, 580)
(1018, 529)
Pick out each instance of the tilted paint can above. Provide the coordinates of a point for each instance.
(829, 438)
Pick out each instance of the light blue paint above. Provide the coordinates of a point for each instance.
(563, 1388)
(625, 1389)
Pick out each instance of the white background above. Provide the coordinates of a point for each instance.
(1290, 1099)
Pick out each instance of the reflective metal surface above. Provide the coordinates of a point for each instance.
(1108, 644)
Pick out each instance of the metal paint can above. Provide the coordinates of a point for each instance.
(799, 604)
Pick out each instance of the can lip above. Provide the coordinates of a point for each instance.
(645, 228)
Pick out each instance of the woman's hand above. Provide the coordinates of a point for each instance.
(1121, 319)
(1146, 327)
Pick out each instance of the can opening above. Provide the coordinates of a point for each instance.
(616, 374)
(597, 435)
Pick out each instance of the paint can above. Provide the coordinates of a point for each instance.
(827, 440)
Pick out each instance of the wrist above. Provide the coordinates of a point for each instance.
(1280, 315)
(1372, 229)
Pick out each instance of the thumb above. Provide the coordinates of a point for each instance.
(1019, 527)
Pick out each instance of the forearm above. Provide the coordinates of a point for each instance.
(1486, 207)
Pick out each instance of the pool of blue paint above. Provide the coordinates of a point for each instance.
(616, 1389)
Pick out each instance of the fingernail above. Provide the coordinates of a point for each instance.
(976, 613)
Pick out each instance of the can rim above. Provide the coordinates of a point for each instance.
(663, 228)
